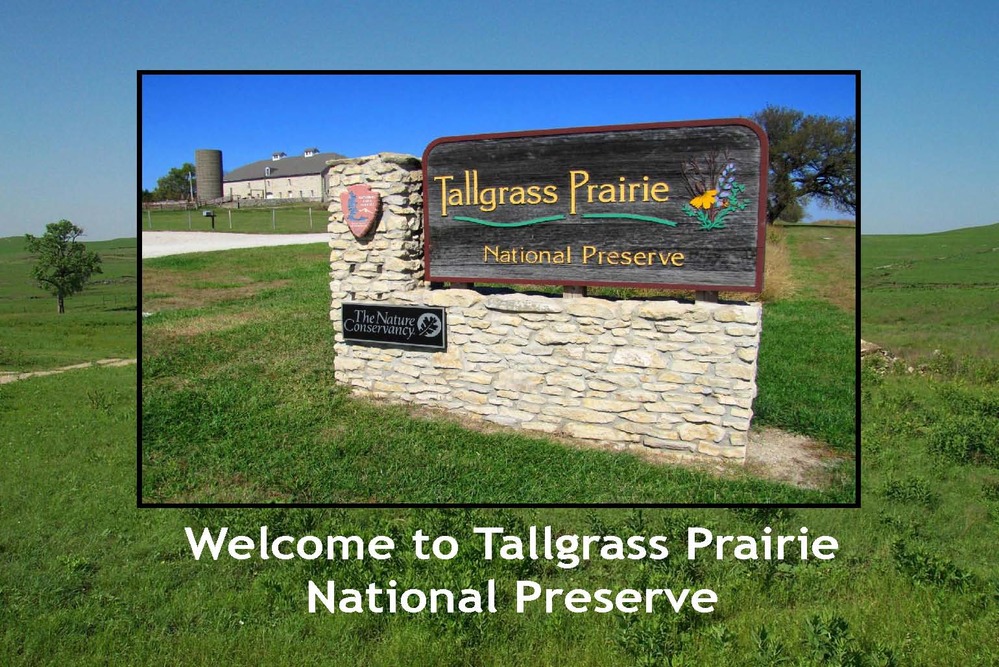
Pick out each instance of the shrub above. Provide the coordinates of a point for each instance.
(911, 490)
(966, 438)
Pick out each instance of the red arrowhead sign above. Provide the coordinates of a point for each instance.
(361, 207)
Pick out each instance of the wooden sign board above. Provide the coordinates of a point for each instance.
(668, 205)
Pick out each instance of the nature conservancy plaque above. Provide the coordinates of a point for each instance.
(673, 205)
(395, 326)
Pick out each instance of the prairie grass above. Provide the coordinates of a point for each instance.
(89, 579)
(86, 578)
(98, 323)
(932, 292)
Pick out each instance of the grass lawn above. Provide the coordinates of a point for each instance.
(927, 292)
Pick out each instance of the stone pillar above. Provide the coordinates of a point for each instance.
(389, 259)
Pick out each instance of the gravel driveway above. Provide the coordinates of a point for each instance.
(160, 244)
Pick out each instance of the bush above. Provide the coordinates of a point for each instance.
(966, 438)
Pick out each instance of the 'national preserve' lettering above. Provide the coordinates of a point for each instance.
(586, 254)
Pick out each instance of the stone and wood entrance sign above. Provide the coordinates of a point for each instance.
(671, 205)
(677, 205)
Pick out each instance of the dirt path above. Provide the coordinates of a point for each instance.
(161, 244)
(7, 377)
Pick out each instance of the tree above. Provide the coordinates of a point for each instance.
(63, 266)
(179, 183)
(810, 157)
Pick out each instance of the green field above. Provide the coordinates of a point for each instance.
(98, 323)
(245, 338)
(87, 579)
(279, 219)
(931, 292)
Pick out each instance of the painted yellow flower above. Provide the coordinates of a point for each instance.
(704, 201)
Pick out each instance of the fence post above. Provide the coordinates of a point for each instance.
(230, 218)
(310, 218)
(273, 221)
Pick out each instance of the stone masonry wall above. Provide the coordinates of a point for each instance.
(653, 373)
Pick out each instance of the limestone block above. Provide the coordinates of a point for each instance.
(742, 314)
(582, 415)
(640, 395)
(590, 307)
(450, 359)
(664, 310)
(519, 381)
(609, 405)
(503, 420)
(723, 451)
(738, 439)
(483, 410)
(692, 417)
(739, 371)
(470, 397)
(740, 330)
(591, 432)
(522, 303)
(544, 427)
(458, 298)
(692, 367)
(637, 357)
(741, 413)
(600, 385)
(668, 440)
(567, 380)
(548, 336)
(700, 433)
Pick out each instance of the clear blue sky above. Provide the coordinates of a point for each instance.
(929, 87)
(249, 117)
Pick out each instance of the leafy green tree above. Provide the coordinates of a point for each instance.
(793, 212)
(177, 184)
(63, 265)
(810, 157)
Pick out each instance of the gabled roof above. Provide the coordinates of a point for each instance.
(284, 168)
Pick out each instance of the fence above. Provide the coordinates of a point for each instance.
(279, 220)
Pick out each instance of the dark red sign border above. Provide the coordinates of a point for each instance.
(761, 214)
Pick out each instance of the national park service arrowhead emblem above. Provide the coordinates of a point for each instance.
(361, 207)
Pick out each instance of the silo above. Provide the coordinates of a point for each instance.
(208, 171)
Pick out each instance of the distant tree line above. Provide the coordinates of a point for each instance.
(180, 184)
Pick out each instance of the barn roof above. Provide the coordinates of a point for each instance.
(284, 168)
